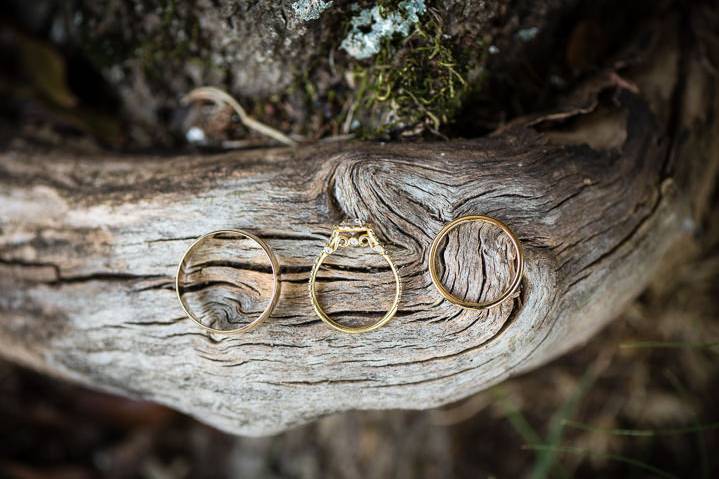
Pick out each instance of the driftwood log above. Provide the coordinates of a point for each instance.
(597, 191)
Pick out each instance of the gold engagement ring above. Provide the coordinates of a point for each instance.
(356, 235)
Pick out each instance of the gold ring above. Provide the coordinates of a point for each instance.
(275, 284)
(355, 235)
(516, 280)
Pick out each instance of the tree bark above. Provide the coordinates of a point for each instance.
(597, 192)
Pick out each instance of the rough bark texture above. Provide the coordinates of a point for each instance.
(597, 193)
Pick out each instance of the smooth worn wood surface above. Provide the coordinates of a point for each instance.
(597, 192)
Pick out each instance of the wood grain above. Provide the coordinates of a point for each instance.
(89, 246)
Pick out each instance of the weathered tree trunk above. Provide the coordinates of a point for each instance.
(597, 192)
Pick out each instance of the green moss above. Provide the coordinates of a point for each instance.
(176, 41)
(414, 84)
(417, 85)
(159, 46)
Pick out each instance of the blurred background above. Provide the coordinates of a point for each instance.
(638, 400)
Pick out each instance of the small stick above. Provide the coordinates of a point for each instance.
(217, 96)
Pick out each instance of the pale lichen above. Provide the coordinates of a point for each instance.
(306, 10)
(371, 26)
(527, 34)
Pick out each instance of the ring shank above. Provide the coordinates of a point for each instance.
(434, 250)
(348, 329)
(276, 285)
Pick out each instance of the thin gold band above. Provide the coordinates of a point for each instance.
(436, 280)
(276, 285)
(356, 236)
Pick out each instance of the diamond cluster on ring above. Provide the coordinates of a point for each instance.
(354, 234)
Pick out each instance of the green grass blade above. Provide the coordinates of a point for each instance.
(701, 443)
(670, 345)
(644, 432)
(520, 424)
(613, 457)
(548, 456)
(517, 420)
